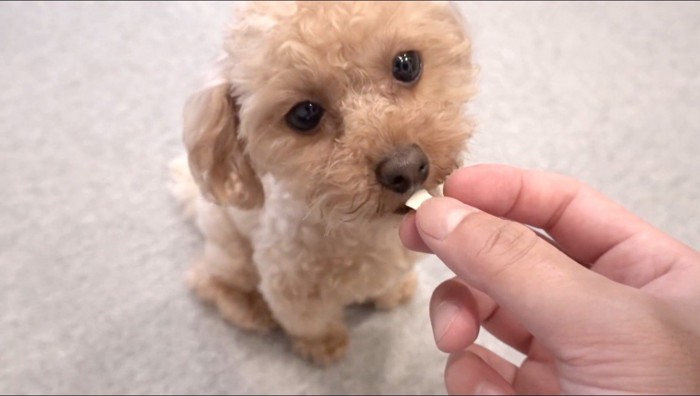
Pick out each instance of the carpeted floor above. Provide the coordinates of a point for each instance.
(92, 247)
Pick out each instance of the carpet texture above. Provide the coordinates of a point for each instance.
(93, 249)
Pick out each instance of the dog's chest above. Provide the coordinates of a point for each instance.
(354, 261)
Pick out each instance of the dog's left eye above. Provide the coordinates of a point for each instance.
(305, 116)
(407, 66)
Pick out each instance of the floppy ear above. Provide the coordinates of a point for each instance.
(217, 158)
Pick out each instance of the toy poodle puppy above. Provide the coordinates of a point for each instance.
(318, 123)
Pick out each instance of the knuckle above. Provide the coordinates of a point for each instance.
(508, 245)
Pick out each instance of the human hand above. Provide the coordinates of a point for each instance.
(618, 313)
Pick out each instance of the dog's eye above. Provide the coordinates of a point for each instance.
(304, 116)
(407, 66)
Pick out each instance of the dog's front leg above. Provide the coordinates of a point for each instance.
(397, 294)
(314, 321)
(224, 274)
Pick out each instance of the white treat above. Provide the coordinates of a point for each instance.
(438, 191)
(421, 196)
(418, 198)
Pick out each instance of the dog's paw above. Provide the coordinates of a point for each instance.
(245, 309)
(248, 310)
(323, 350)
(397, 295)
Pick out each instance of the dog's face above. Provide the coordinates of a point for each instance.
(351, 106)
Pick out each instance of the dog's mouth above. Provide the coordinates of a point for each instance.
(417, 198)
(402, 210)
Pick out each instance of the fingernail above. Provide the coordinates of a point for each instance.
(487, 388)
(445, 314)
(441, 216)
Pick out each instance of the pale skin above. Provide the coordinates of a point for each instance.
(611, 305)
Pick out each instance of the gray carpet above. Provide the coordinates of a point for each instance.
(92, 248)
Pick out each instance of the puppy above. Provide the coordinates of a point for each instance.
(319, 122)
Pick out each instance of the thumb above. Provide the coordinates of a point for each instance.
(544, 289)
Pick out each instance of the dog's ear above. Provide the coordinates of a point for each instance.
(217, 156)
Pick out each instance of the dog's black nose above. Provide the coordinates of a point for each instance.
(403, 170)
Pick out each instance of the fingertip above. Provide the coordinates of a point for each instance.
(454, 316)
(407, 226)
(468, 174)
(408, 233)
(456, 178)
(466, 373)
(438, 217)
(488, 187)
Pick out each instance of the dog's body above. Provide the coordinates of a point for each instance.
(300, 215)
(307, 272)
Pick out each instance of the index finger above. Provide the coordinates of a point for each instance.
(584, 223)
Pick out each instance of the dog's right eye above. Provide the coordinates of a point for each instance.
(304, 117)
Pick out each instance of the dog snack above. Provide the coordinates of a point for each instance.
(423, 195)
